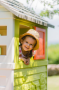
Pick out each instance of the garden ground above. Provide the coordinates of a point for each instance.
(53, 82)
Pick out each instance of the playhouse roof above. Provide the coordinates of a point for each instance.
(19, 10)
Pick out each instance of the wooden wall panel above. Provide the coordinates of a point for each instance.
(32, 76)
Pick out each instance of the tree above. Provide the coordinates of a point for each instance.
(50, 7)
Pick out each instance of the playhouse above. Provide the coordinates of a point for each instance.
(16, 19)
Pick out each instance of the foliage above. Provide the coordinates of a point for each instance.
(53, 54)
(51, 7)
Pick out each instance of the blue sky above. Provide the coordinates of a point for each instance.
(53, 33)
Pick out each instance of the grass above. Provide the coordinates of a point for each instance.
(53, 83)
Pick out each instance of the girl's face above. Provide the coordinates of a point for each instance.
(28, 43)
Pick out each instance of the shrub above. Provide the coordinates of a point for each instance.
(53, 54)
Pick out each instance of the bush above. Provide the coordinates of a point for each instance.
(53, 54)
(53, 69)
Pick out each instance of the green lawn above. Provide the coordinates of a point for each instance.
(53, 83)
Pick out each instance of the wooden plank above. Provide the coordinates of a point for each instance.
(28, 86)
(38, 88)
(27, 79)
(16, 42)
(29, 71)
(37, 83)
(43, 87)
(33, 63)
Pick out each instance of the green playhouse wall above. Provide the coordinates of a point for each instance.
(34, 75)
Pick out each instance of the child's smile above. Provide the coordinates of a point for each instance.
(28, 43)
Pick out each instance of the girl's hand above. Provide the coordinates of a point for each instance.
(26, 61)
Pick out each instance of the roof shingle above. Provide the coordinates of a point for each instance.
(23, 12)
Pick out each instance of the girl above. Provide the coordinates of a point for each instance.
(29, 41)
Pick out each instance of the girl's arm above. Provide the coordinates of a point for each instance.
(26, 61)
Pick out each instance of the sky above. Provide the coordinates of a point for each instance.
(53, 33)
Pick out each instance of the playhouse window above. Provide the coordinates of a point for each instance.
(3, 30)
(40, 53)
(2, 50)
(23, 29)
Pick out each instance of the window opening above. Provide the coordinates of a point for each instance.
(3, 30)
(2, 50)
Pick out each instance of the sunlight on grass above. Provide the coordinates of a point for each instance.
(53, 83)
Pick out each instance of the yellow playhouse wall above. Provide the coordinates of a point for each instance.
(34, 75)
